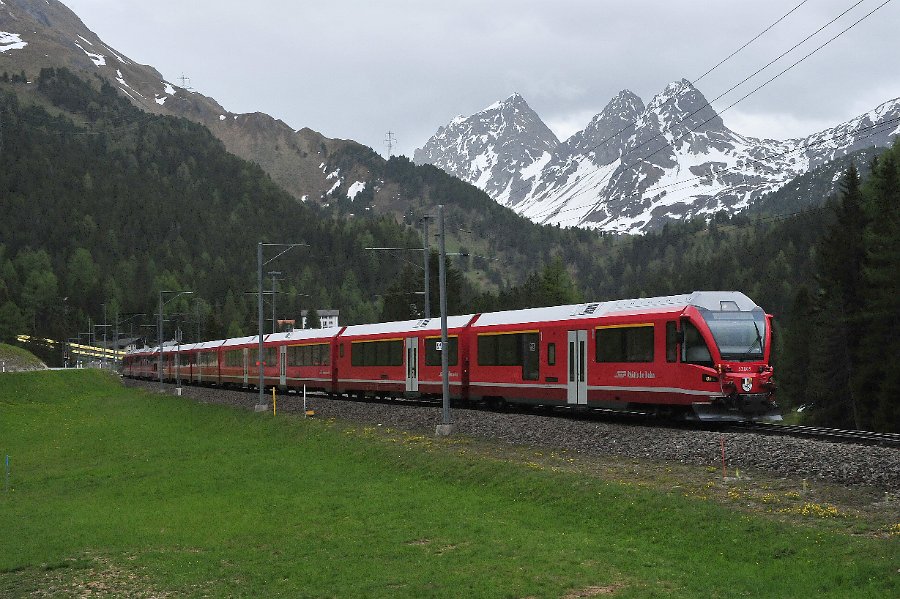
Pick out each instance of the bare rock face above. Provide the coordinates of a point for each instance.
(634, 167)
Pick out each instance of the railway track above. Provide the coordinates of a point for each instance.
(824, 434)
(832, 435)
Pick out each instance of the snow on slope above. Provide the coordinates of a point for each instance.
(11, 41)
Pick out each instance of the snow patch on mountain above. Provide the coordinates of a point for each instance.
(355, 189)
(11, 41)
(98, 59)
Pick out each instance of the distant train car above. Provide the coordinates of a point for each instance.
(703, 355)
(400, 358)
(305, 358)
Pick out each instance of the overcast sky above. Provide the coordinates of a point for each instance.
(357, 68)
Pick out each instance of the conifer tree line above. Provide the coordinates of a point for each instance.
(102, 203)
(845, 334)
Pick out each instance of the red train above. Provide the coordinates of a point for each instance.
(703, 355)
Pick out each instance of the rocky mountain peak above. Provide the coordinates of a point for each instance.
(682, 108)
(506, 137)
(626, 104)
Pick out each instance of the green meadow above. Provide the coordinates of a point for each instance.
(118, 492)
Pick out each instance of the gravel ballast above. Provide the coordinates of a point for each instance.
(843, 463)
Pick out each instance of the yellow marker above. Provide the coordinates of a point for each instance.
(273, 402)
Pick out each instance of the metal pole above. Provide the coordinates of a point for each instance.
(105, 346)
(159, 336)
(445, 355)
(261, 403)
(427, 248)
(177, 360)
(273, 273)
(116, 342)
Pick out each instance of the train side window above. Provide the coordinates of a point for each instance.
(433, 356)
(625, 343)
(551, 354)
(341, 350)
(671, 341)
(694, 350)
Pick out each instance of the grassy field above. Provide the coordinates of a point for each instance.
(116, 492)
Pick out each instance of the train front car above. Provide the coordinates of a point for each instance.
(726, 338)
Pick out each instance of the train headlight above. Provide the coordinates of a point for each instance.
(708, 378)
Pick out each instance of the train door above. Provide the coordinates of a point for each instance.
(246, 368)
(577, 364)
(282, 361)
(412, 364)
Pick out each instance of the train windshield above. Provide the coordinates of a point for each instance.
(739, 335)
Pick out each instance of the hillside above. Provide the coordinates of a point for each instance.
(16, 359)
(104, 203)
(49, 34)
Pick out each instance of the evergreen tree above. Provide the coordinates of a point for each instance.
(794, 367)
(12, 321)
(839, 267)
(312, 319)
(877, 377)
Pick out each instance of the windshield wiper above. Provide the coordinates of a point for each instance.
(758, 341)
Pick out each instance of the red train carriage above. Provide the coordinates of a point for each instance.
(236, 359)
(305, 359)
(705, 355)
(141, 364)
(206, 366)
(400, 358)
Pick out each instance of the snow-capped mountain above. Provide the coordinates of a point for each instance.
(493, 148)
(634, 167)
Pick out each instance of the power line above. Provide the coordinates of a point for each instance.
(670, 144)
(670, 100)
(756, 37)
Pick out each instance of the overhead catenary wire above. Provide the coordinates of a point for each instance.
(753, 39)
(557, 211)
(710, 70)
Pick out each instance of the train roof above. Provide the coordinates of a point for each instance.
(710, 300)
(425, 325)
(304, 334)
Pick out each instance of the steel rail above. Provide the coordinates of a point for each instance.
(821, 433)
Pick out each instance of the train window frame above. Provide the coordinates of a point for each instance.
(551, 354)
(377, 353)
(672, 341)
(514, 348)
(625, 344)
(689, 329)
(308, 354)
(433, 356)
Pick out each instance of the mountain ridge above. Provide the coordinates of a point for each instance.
(49, 34)
(633, 167)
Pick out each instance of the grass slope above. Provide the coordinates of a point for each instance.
(120, 492)
(17, 358)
